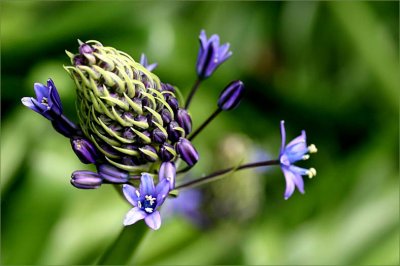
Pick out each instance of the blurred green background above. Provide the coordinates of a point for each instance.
(330, 68)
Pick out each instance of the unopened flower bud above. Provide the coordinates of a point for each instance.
(166, 152)
(149, 153)
(184, 120)
(112, 174)
(187, 152)
(85, 150)
(166, 116)
(174, 131)
(158, 136)
(168, 171)
(231, 95)
(86, 179)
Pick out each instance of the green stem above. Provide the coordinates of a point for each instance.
(215, 175)
(192, 92)
(125, 246)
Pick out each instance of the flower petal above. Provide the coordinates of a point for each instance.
(163, 188)
(147, 185)
(283, 136)
(153, 220)
(41, 91)
(134, 215)
(130, 194)
(289, 182)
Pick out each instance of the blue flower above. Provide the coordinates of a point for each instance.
(211, 55)
(144, 62)
(146, 200)
(295, 151)
(47, 102)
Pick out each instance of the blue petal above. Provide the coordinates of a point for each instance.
(41, 91)
(283, 136)
(289, 183)
(146, 185)
(134, 215)
(54, 99)
(28, 102)
(153, 220)
(130, 194)
(163, 188)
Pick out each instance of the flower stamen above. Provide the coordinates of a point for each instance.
(312, 148)
(311, 172)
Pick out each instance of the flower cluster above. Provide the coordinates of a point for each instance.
(135, 129)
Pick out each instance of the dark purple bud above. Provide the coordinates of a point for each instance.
(85, 150)
(149, 153)
(173, 103)
(184, 120)
(167, 171)
(187, 152)
(166, 116)
(210, 55)
(166, 152)
(231, 95)
(128, 134)
(158, 136)
(167, 87)
(112, 174)
(173, 133)
(86, 179)
(79, 60)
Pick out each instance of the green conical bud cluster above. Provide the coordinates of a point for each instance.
(124, 108)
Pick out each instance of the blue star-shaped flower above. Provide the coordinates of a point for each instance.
(295, 151)
(47, 102)
(146, 200)
(211, 55)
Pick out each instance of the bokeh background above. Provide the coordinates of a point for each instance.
(331, 68)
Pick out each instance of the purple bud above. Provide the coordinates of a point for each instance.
(166, 116)
(85, 49)
(173, 103)
(184, 120)
(85, 150)
(86, 179)
(165, 152)
(65, 127)
(167, 87)
(167, 171)
(149, 153)
(187, 152)
(112, 174)
(159, 136)
(231, 95)
(173, 133)
(79, 60)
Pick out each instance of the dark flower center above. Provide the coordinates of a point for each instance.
(148, 204)
(45, 101)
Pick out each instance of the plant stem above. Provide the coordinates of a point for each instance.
(192, 92)
(215, 175)
(205, 123)
(124, 247)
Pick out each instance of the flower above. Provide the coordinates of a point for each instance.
(295, 151)
(230, 97)
(146, 200)
(86, 179)
(47, 102)
(144, 62)
(211, 55)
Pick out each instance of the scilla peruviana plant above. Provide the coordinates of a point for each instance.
(135, 129)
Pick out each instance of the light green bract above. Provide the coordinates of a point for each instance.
(120, 104)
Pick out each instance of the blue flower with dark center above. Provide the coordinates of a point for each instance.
(211, 55)
(146, 200)
(295, 151)
(47, 102)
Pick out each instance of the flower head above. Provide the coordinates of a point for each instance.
(47, 102)
(294, 151)
(146, 200)
(211, 55)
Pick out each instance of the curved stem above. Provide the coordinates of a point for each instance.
(192, 92)
(205, 123)
(215, 175)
